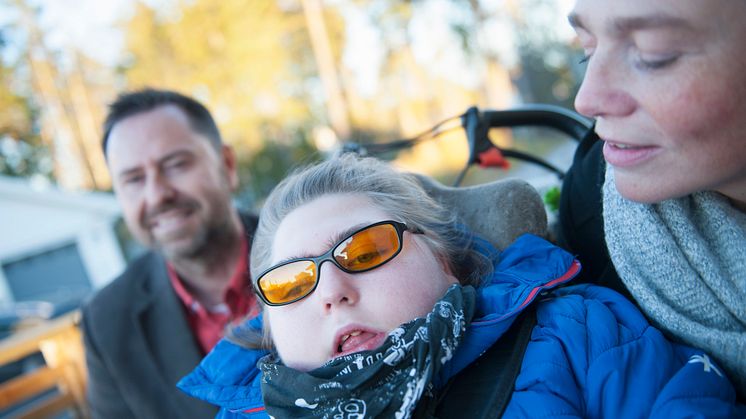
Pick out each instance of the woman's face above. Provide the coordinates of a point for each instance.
(354, 311)
(666, 82)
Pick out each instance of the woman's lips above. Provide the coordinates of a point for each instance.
(626, 155)
(359, 341)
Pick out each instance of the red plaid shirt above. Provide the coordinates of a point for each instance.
(208, 323)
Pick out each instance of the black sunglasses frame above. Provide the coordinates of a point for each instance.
(328, 256)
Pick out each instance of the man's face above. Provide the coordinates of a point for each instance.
(173, 185)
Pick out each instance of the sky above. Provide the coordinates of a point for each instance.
(88, 24)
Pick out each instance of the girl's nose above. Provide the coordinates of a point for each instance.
(336, 288)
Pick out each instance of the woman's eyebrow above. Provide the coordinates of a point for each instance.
(634, 23)
(654, 21)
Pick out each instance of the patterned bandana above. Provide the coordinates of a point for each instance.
(390, 381)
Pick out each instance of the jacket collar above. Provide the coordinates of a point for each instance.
(523, 271)
(163, 341)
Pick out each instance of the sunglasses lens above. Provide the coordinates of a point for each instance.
(368, 248)
(289, 282)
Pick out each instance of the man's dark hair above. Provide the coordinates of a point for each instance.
(132, 103)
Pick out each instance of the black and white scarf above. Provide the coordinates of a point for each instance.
(393, 381)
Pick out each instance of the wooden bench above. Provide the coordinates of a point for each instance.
(56, 387)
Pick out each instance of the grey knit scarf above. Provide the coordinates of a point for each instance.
(684, 261)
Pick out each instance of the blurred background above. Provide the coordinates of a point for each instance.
(288, 81)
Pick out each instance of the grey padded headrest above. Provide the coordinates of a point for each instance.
(499, 211)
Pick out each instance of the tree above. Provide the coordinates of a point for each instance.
(21, 150)
(250, 62)
(59, 90)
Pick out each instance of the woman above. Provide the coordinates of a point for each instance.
(407, 303)
(660, 201)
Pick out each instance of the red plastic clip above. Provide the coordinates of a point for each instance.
(493, 157)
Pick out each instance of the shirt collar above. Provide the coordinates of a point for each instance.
(236, 286)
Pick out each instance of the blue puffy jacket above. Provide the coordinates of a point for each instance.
(591, 353)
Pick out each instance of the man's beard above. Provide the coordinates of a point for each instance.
(193, 247)
(208, 240)
(211, 233)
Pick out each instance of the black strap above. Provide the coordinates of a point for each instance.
(484, 388)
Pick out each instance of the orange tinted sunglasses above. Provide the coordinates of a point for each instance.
(363, 250)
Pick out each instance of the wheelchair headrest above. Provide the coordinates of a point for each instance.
(499, 211)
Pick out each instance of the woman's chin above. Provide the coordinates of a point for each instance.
(302, 366)
(647, 191)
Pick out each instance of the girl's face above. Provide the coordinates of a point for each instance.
(351, 312)
(666, 82)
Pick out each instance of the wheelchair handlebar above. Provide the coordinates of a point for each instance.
(551, 116)
(477, 124)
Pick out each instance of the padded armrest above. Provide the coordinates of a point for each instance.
(499, 211)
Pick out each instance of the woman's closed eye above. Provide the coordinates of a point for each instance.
(658, 49)
(656, 62)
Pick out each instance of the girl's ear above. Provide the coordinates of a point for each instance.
(446, 265)
(447, 268)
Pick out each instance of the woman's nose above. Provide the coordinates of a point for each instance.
(336, 288)
(604, 91)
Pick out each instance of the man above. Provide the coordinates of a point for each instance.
(173, 177)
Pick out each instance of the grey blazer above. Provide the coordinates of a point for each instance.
(138, 345)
